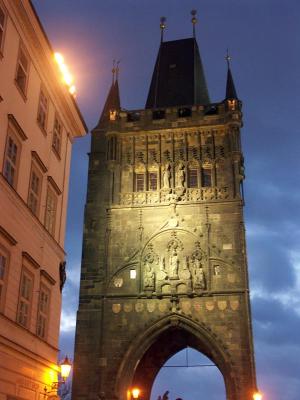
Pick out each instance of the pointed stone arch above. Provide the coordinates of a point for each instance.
(175, 332)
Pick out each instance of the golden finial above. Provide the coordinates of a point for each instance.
(228, 58)
(194, 21)
(162, 27)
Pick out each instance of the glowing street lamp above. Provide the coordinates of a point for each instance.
(135, 393)
(257, 396)
(65, 369)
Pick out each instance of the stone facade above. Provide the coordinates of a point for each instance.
(164, 257)
(34, 179)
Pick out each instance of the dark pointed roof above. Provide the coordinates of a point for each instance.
(112, 102)
(230, 88)
(178, 77)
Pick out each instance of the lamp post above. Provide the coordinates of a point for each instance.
(65, 369)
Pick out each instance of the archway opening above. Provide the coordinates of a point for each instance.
(189, 375)
(155, 352)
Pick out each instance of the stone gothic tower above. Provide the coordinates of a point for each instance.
(164, 256)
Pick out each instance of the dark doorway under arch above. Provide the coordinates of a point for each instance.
(167, 337)
(189, 375)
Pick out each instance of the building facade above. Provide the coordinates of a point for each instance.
(164, 257)
(38, 121)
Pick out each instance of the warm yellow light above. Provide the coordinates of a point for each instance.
(72, 89)
(257, 396)
(65, 368)
(135, 393)
(66, 75)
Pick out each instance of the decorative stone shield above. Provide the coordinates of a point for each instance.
(128, 307)
(186, 306)
(234, 304)
(210, 305)
(116, 308)
(151, 306)
(162, 306)
(139, 307)
(197, 306)
(222, 305)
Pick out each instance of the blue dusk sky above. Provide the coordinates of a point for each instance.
(263, 37)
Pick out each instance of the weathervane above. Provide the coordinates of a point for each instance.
(113, 71)
(228, 58)
(194, 21)
(162, 28)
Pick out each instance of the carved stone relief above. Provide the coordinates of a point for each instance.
(173, 262)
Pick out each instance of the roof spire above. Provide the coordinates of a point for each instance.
(112, 104)
(162, 28)
(194, 21)
(230, 88)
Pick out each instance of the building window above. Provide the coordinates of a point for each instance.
(42, 110)
(35, 186)
(57, 132)
(11, 160)
(22, 70)
(3, 274)
(25, 298)
(139, 182)
(50, 212)
(2, 26)
(152, 181)
(193, 178)
(206, 177)
(43, 312)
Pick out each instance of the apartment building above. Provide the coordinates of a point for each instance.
(39, 120)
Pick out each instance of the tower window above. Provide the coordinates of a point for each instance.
(34, 190)
(11, 160)
(152, 181)
(3, 275)
(42, 110)
(184, 112)
(57, 133)
(139, 182)
(43, 312)
(22, 70)
(133, 274)
(26, 287)
(206, 177)
(193, 178)
(50, 212)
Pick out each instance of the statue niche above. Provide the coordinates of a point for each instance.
(172, 267)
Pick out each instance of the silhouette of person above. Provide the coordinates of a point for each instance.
(165, 395)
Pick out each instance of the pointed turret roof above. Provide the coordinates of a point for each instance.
(112, 102)
(230, 88)
(178, 78)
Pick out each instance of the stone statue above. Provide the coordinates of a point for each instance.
(62, 274)
(162, 273)
(198, 275)
(166, 176)
(149, 276)
(173, 264)
(180, 176)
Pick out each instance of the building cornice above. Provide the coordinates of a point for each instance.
(41, 53)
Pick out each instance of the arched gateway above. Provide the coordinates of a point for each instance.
(163, 339)
(164, 256)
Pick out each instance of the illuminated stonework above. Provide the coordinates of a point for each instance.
(164, 264)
